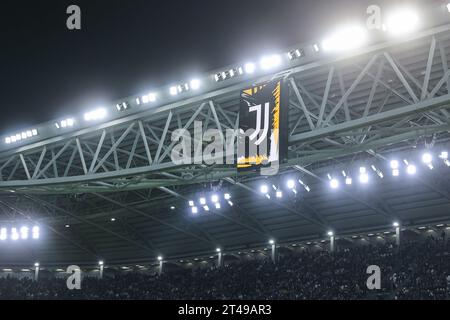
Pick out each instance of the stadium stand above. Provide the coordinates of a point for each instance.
(417, 270)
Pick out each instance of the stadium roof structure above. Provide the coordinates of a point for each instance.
(108, 190)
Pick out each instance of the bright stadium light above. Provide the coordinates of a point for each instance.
(411, 169)
(173, 91)
(215, 198)
(36, 264)
(100, 263)
(402, 21)
(264, 189)
(217, 205)
(348, 181)
(330, 233)
(160, 258)
(427, 159)
(290, 184)
(448, 7)
(195, 84)
(230, 203)
(14, 234)
(202, 201)
(334, 183)
(96, 114)
(206, 208)
(194, 210)
(35, 232)
(346, 38)
(151, 97)
(249, 68)
(270, 62)
(363, 176)
(218, 250)
(271, 241)
(227, 196)
(279, 194)
(191, 203)
(24, 233)
(396, 224)
(394, 164)
(3, 234)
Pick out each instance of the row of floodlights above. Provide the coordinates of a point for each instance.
(346, 38)
(394, 165)
(22, 233)
(206, 204)
(292, 185)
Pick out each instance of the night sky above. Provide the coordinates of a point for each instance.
(129, 46)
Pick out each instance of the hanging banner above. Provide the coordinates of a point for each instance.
(263, 127)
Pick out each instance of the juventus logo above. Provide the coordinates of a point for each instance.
(266, 124)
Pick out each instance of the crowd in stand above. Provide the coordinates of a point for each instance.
(416, 270)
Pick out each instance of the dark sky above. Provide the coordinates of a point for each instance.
(129, 46)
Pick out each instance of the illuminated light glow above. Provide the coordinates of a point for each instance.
(249, 68)
(159, 258)
(427, 158)
(217, 204)
(172, 208)
(21, 136)
(218, 250)
(138, 101)
(215, 198)
(270, 62)
(394, 164)
(35, 232)
(230, 203)
(396, 224)
(202, 201)
(173, 91)
(334, 183)
(67, 225)
(7, 140)
(411, 169)
(279, 194)
(364, 178)
(227, 196)
(362, 170)
(346, 38)
(448, 7)
(3, 234)
(291, 184)
(316, 47)
(348, 181)
(268, 196)
(330, 233)
(395, 172)
(100, 262)
(344, 174)
(14, 234)
(271, 241)
(443, 155)
(264, 189)
(195, 84)
(206, 208)
(96, 114)
(113, 219)
(194, 210)
(191, 203)
(402, 21)
(24, 233)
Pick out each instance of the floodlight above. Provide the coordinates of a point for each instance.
(35, 232)
(214, 198)
(67, 225)
(138, 101)
(394, 164)
(279, 194)
(159, 258)
(100, 263)
(195, 84)
(36, 264)
(3, 234)
(330, 233)
(396, 224)
(270, 62)
(363, 176)
(191, 203)
(151, 97)
(411, 169)
(173, 91)
(444, 155)
(334, 183)
(217, 204)
(264, 189)
(206, 208)
(113, 219)
(249, 68)
(271, 241)
(448, 7)
(218, 250)
(402, 21)
(230, 203)
(24, 233)
(14, 234)
(395, 172)
(346, 38)
(202, 201)
(427, 158)
(96, 114)
(291, 184)
(227, 196)
(172, 208)
(194, 210)
(348, 181)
